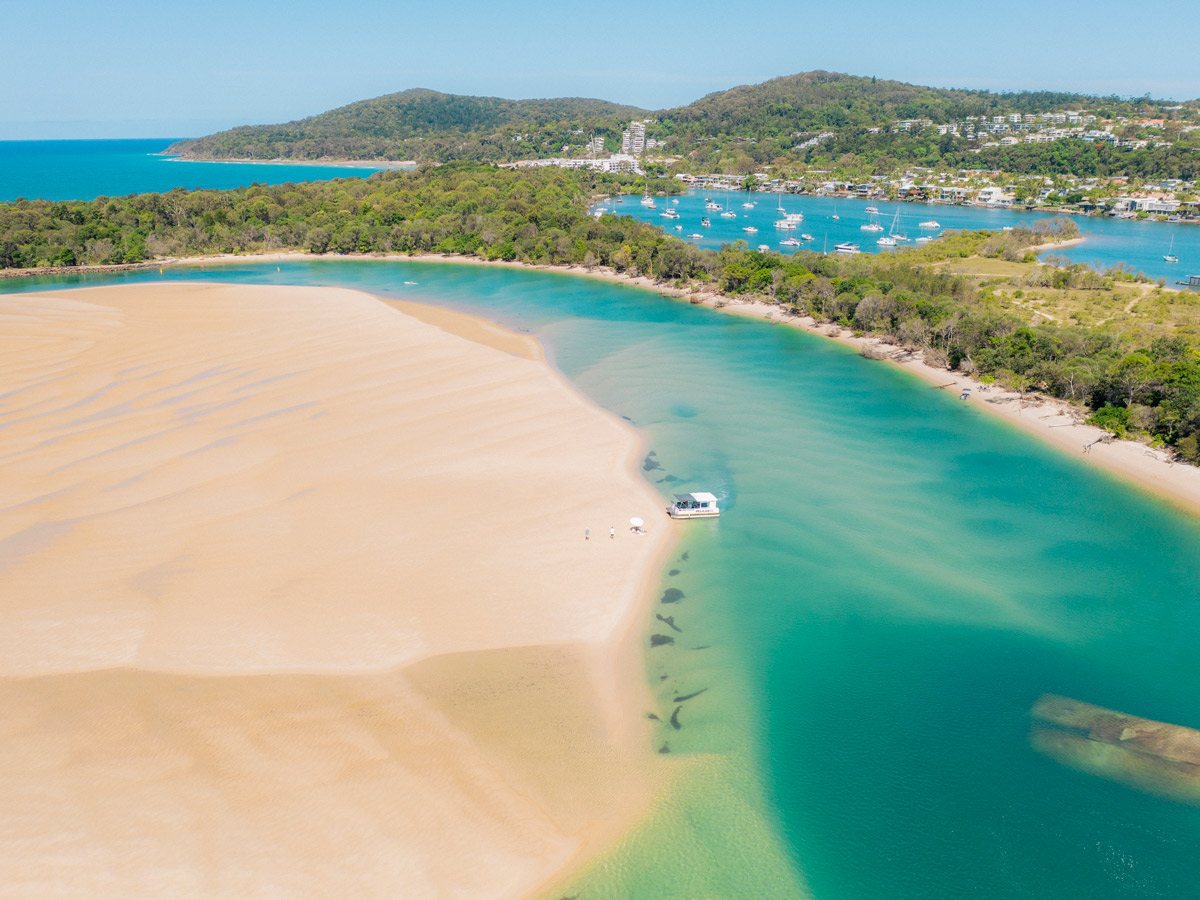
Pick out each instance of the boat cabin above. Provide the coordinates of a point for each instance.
(693, 506)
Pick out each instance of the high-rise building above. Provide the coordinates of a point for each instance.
(633, 139)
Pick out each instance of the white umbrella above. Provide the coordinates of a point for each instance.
(636, 522)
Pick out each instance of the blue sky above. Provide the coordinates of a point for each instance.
(135, 68)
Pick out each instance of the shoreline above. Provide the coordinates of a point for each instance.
(1135, 462)
(380, 164)
(529, 694)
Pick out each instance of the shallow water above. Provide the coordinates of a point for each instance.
(895, 580)
(84, 170)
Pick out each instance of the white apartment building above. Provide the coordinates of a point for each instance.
(633, 139)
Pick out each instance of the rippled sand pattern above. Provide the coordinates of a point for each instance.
(296, 602)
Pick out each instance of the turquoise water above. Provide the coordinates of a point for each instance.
(84, 170)
(1140, 246)
(897, 577)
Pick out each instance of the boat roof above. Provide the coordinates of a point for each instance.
(699, 496)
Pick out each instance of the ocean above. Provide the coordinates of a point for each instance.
(84, 170)
(894, 581)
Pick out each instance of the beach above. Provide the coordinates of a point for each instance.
(1053, 421)
(298, 601)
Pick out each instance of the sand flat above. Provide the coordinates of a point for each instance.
(297, 602)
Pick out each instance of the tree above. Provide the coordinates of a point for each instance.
(1132, 375)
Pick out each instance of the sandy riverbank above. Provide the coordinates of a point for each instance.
(1054, 421)
(1051, 420)
(297, 602)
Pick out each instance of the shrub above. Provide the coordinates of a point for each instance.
(1113, 419)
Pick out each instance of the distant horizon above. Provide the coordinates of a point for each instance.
(183, 129)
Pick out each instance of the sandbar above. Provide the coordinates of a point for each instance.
(297, 601)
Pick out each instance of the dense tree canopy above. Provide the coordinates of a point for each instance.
(424, 125)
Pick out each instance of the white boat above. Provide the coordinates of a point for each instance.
(679, 228)
(896, 236)
(806, 237)
(873, 225)
(700, 505)
(704, 223)
(669, 213)
(846, 248)
(410, 282)
(763, 248)
(647, 200)
(835, 215)
(886, 241)
(674, 202)
(924, 240)
(1170, 256)
(729, 214)
(791, 242)
(929, 224)
(1007, 228)
(695, 236)
(873, 210)
(747, 205)
(750, 229)
(714, 206)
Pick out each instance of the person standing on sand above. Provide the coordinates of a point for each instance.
(587, 534)
(612, 532)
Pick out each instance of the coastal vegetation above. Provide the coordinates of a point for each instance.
(861, 151)
(423, 125)
(740, 130)
(976, 302)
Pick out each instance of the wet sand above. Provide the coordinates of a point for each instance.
(297, 601)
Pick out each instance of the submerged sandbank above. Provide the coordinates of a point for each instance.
(297, 601)
(1157, 757)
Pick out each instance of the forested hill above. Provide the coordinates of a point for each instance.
(773, 117)
(846, 123)
(819, 101)
(423, 125)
